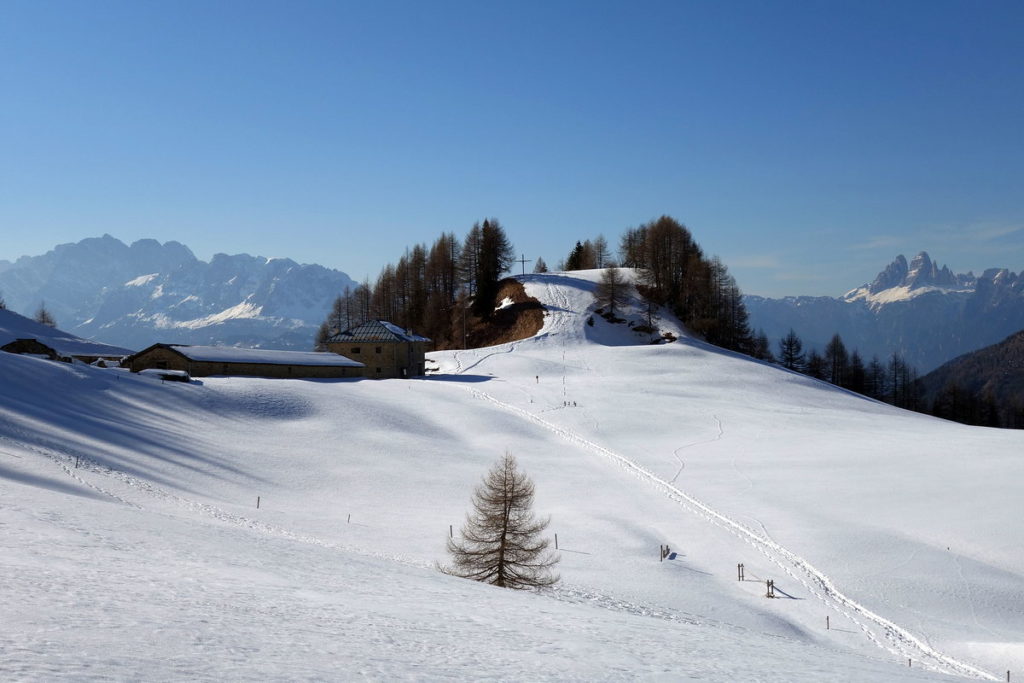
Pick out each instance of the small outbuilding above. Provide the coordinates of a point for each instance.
(384, 348)
(204, 361)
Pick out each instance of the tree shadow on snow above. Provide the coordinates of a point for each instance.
(468, 379)
(49, 483)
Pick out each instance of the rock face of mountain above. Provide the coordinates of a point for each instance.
(927, 313)
(136, 295)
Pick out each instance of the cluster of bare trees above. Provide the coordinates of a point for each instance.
(429, 289)
(433, 289)
(699, 290)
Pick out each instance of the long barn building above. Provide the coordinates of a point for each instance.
(204, 361)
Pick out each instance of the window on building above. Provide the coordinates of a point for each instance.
(378, 350)
(355, 349)
(378, 371)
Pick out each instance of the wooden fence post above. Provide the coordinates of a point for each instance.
(257, 502)
(556, 541)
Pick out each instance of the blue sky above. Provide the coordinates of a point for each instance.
(806, 143)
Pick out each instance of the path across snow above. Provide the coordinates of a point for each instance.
(894, 638)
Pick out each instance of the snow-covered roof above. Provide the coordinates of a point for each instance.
(376, 330)
(231, 354)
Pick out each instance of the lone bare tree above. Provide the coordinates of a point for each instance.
(612, 290)
(500, 542)
(44, 316)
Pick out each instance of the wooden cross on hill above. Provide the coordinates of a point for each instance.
(523, 260)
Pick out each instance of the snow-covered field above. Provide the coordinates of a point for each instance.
(131, 545)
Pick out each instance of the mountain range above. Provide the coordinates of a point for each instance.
(136, 295)
(924, 312)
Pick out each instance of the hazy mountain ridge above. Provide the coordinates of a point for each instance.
(147, 292)
(990, 379)
(925, 312)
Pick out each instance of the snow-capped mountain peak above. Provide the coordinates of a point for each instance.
(150, 292)
(901, 281)
(919, 309)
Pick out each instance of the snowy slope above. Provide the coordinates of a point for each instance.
(150, 559)
(14, 326)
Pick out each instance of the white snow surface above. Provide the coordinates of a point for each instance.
(132, 546)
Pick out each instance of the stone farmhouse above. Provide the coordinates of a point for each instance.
(203, 361)
(385, 349)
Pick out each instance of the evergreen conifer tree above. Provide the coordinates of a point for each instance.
(791, 352)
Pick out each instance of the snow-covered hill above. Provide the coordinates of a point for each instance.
(133, 546)
(15, 326)
(923, 311)
(149, 292)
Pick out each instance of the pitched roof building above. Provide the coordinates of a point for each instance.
(385, 348)
(203, 361)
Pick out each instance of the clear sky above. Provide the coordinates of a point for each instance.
(806, 143)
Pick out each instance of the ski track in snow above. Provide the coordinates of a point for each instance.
(893, 638)
(682, 465)
(509, 349)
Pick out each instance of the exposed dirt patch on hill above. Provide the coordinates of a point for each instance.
(516, 316)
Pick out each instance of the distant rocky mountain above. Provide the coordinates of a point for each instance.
(134, 296)
(925, 312)
(982, 387)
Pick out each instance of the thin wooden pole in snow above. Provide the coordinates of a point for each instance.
(257, 502)
(556, 541)
(828, 627)
(350, 518)
(451, 531)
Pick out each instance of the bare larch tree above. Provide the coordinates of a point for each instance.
(501, 541)
(612, 290)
